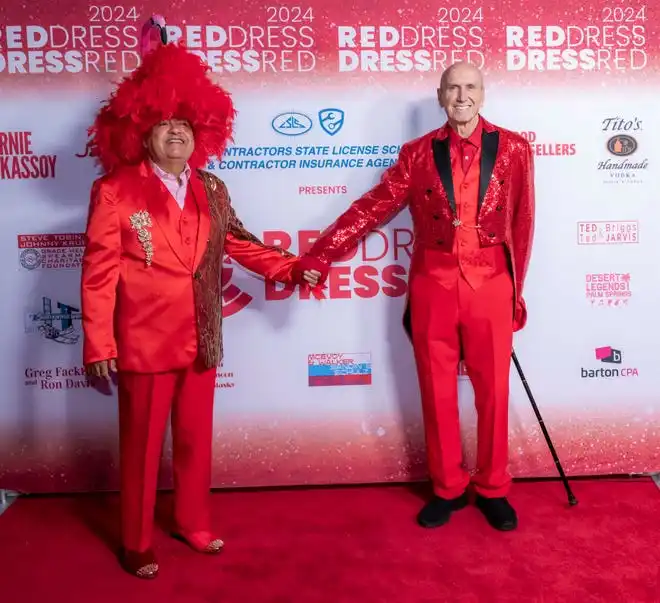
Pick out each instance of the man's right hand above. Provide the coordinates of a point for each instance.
(311, 270)
(102, 369)
(311, 277)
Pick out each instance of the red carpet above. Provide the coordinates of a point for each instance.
(352, 545)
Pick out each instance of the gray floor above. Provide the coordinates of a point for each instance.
(7, 497)
(656, 478)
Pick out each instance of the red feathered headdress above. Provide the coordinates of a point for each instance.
(170, 83)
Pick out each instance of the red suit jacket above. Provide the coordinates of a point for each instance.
(421, 178)
(142, 302)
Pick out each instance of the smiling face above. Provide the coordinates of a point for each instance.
(461, 93)
(171, 143)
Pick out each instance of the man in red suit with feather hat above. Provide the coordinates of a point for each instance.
(470, 189)
(157, 231)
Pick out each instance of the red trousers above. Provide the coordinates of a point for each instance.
(449, 316)
(145, 402)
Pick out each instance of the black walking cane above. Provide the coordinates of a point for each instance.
(571, 497)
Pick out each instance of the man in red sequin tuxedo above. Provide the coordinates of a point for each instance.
(470, 189)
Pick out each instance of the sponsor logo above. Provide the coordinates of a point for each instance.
(611, 289)
(609, 356)
(622, 145)
(294, 123)
(604, 232)
(305, 156)
(30, 259)
(56, 378)
(19, 161)
(621, 167)
(331, 120)
(55, 321)
(291, 124)
(233, 299)
(224, 379)
(376, 266)
(51, 251)
(339, 369)
(548, 149)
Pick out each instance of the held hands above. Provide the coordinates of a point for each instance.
(310, 271)
(312, 277)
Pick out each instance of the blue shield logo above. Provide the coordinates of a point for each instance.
(291, 124)
(331, 120)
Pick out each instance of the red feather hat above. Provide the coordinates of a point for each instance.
(170, 83)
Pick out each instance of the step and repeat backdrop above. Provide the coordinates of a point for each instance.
(324, 390)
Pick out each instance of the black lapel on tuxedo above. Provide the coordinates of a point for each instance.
(490, 142)
(443, 165)
(407, 320)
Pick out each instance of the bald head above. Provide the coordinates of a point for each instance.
(457, 70)
(461, 93)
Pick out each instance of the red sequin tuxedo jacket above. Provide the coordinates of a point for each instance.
(422, 179)
(151, 296)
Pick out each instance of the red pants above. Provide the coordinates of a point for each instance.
(145, 401)
(447, 315)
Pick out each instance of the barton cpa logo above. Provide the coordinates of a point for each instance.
(620, 167)
(233, 299)
(55, 321)
(331, 120)
(291, 124)
(609, 356)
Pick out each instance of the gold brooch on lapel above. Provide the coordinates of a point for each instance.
(140, 221)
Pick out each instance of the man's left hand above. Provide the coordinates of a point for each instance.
(520, 316)
(309, 272)
(312, 277)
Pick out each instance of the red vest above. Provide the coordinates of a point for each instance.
(188, 226)
(477, 264)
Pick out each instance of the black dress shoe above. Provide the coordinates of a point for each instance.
(498, 512)
(438, 510)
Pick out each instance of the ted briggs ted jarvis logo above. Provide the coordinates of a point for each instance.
(608, 232)
(623, 168)
(609, 355)
(294, 123)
